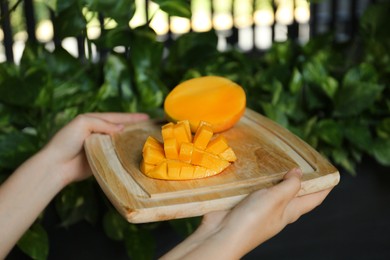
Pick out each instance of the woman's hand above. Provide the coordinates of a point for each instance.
(65, 150)
(33, 185)
(231, 234)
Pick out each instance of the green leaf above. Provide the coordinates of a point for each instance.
(192, 50)
(330, 132)
(114, 225)
(280, 53)
(296, 81)
(117, 74)
(52, 4)
(70, 22)
(150, 90)
(180, 8)
(275, 113)
(140, 244)
(61, 63)
(381, 151)
(121, 11)
(77, 202)
(118, 36)
(383, 128)
(23, 90)
(359, 91)
(341, 157)
(358, 133)
(35, 242)
(307, 131)
(61, 5)
(363, 72)
(277, 91)
(147, 52)
(315, 73)
(374, 21)
(186, 226)
(146, 62)
(15, 148)
(330, 86)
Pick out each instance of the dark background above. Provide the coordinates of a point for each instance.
(352, 223)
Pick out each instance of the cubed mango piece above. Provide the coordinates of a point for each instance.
(181, 133)
(202, 136)
(146, 167)
(171, 149)
(183, 157)
(159, 171)
(185, 153)
(167, 131)
(202, 172)
(187, 172)
(217, 145)
(173, 168)
(228, 155)
(197, 156)
(213, 162)
(186, 124)
(152, 142)
(152, 155)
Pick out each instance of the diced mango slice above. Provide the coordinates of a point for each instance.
(167, 131)
(217, 145)
(202, 172)
(146, 167)
(187, 172)
(180, 130)
(213, 162)
(185, 153)
(202, 136)
(154, 143)
(153, 156)
(187, 125)
(159, 171)
(183, 157)
(174, 168)
(171, 148)
(197, 156)
(228, 155)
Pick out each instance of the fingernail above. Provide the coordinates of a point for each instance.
(298, 171)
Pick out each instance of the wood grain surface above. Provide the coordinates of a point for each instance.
(265, 152)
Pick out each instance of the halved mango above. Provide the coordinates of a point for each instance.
(213, 99)
(180, 159)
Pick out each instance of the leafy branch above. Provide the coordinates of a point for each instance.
(334, 96)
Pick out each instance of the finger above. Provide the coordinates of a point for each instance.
(289, 187)
(120, 118)
(273, 199)
(304, 204)
(92, 124)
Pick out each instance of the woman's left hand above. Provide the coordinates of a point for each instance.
(65, 151)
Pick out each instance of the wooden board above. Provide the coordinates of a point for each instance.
(265, 152)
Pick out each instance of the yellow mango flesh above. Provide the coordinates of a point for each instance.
(218, 145)
(183, 157)
(203, 136)
(213, 99)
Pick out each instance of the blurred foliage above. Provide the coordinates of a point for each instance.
(335, 96)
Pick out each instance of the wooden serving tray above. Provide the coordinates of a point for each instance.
(265, 152)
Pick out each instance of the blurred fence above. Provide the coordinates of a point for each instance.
(250, 25)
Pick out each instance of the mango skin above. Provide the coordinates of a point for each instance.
(216, 100)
